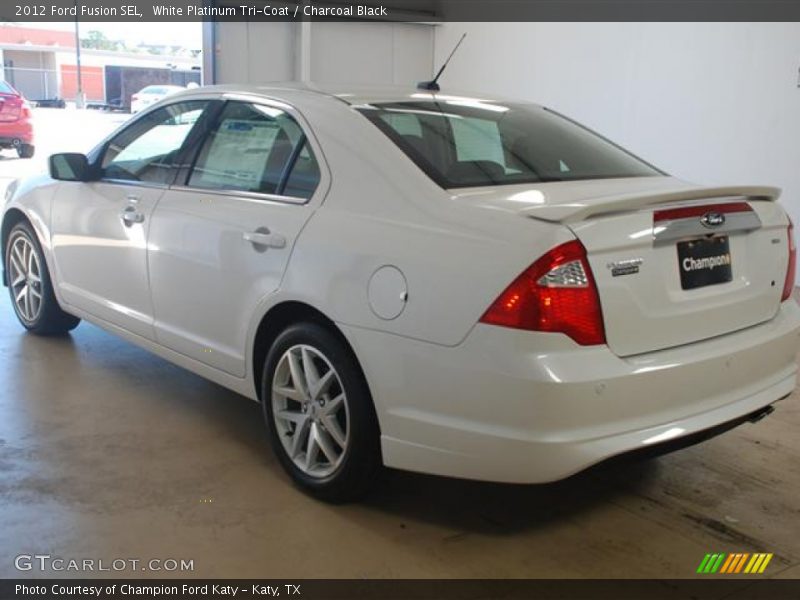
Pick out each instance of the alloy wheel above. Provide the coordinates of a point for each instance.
(25, 277)
(310, 410)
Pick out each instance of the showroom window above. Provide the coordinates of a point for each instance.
(146, 151)
(461, 142)
(256, 148)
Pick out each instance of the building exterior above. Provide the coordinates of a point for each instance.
(42, 64)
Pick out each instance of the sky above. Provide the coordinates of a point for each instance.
(187, 34)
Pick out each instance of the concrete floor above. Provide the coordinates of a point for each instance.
(108, 452)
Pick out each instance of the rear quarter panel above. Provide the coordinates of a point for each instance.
(382, 210)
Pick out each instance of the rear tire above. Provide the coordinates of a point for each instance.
(25, 150)
(319, 414)
(30, 286)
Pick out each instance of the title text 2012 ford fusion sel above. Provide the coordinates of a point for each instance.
(434, 282)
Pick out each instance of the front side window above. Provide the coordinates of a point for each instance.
(256, 148)
(462, 142)
(147, 149)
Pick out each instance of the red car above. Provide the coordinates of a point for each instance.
(16, 128)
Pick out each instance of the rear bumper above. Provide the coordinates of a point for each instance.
(17, 130)
(520, 407)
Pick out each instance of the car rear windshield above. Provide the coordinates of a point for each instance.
(6, 89)
(154, 89)
(462, 142)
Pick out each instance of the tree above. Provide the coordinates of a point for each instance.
(97, 40)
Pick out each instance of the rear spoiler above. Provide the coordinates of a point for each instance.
(584, 209)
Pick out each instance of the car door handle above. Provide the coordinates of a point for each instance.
(130, 216)
(260, 238)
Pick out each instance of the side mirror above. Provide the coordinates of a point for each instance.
(70, 166)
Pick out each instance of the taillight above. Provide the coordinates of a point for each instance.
(788, 284)
(557, 293)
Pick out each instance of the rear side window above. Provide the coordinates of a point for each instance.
(6, 89)
(304, 177)
(463, 142)
(256, 148)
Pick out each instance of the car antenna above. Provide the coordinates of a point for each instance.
(432, 85)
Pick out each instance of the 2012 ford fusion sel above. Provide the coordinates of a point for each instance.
(436, 282)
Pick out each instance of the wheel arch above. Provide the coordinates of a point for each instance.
(278, 318)
(12, 217)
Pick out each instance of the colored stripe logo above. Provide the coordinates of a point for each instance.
(734, 563)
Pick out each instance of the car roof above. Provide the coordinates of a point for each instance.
(353, 94)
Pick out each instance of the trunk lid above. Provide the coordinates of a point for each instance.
(664, 277)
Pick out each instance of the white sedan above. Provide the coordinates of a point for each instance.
(151, 94)
(463, 286)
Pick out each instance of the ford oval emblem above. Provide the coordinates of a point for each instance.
(712, 219)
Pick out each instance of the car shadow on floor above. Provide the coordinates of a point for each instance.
(504, 509)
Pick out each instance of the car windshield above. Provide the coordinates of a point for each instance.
(462, 142)
(6, 89)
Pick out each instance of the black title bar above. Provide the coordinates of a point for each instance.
(730, 588)
(400, 10)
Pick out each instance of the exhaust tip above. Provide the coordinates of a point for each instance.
(760, 414)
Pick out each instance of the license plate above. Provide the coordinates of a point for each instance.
(704, 261)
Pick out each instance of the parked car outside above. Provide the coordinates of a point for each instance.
(16, 121)
(458, 285)
(151, 94)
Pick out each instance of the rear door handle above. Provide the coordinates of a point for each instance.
(130, 216)
(261, 238)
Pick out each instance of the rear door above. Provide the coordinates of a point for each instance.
(221, 238)
(679, 273)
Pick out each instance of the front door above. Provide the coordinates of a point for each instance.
(100, 229)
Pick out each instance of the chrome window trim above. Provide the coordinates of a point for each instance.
(691, 227)
(256, 99)
(133, 182)
(325, 177)
(325, 174)
(295, 200)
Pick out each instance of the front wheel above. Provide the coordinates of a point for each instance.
(30, 286)
(319, 413)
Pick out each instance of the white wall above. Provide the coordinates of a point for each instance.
(377, 52)
(707, 102)
(255, 52)
(351, 52)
